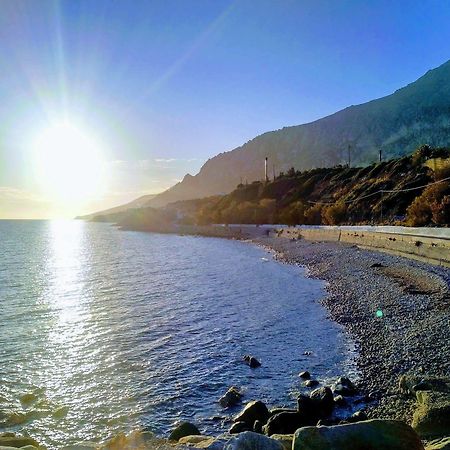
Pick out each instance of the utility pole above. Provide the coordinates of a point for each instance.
(273, 171)
(349, 148)
(380, 154)
(265, 170)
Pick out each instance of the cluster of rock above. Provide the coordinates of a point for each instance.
(314, 424)
(12, 441)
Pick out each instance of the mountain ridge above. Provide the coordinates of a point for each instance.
(396, 124)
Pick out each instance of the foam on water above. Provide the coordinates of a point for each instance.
(105, 331)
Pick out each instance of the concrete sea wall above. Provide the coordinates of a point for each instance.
(420, 244)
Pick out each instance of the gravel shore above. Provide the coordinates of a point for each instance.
(413, 298)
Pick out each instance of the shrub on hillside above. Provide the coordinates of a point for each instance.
(313, 215)
(335, 214)
(432, 207)
(293, 214)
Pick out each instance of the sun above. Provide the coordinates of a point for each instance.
(69, 163)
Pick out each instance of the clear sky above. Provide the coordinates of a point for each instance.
(161, 86)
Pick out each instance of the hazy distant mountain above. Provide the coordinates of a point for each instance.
(397, 124)
(138, 203)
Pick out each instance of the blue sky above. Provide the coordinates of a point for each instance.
(165, 85)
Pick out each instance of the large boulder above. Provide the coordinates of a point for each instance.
(12, 440)
(231, 398)
(182, 430)
(432, 415)
(255, 410)
(253, 441)
(370, 435)
(284, 439)
(193, 439)
(285, 423)
(239, 427)
(323, 401)
(439, 444)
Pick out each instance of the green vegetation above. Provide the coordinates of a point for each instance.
(401, 191)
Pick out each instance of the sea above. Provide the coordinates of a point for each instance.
(104, 330)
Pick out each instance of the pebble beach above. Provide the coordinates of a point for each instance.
(396, 310)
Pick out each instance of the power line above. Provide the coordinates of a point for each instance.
(380, 192)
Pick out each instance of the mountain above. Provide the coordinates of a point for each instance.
(138, 203)
(411, 190)
(396, 124)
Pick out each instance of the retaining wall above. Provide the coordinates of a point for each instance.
(434, 250)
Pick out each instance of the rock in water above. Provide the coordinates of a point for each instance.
(311, 383)
(369, 435)
(182, 430)
(231, 398)
(239, 427)
(253, 411)
(358, 416)
(305, 375)
(253, 441)
(285, 423)
(344, 386)
(323, 400)
(252, 361)
(12, 440)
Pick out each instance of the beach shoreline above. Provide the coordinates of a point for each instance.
(395, 309)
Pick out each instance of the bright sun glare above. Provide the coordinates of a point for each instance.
(69, 163)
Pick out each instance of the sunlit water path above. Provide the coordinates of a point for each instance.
(111, 330)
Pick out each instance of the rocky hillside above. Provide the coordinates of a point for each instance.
(397, 124)
(412, 190)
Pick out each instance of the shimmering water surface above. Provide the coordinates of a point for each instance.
(111, 330)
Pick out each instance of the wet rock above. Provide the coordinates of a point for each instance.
(254, 410)
(376, 265)
(285, 423)
(182, 430)
(137, 439)
(339, 400)
(231, 398)
(305, 375)
(323, 401)
(193, 439)
(439, 444)
(432, 415)
(284, 439)
(253, 441)
(258, 426)
(82, 445)
(12, 440)
(251, 361)
(358, 416)
(28, 398)
(344, 386)
(60, 412)
(274, 411)
(239, 427)
(311, 383)
(368, 435)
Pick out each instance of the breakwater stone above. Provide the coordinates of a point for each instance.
(368, 435)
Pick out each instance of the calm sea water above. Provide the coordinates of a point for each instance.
(111, 330)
